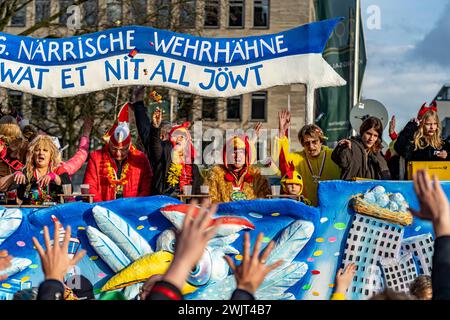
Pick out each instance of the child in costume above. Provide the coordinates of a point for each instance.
(291, 179)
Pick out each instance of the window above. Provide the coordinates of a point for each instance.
(114, 12)
(15, 100)
(39, 107)
(20, 16)
(61, 107)
(187, 14)
(212, 13)
(209, 109)
(63, 5)
(139, 11)
(234, 108)
(236, 13)
(91, 13)
(261, 13)
(163, 13)
(42, 10)
(259, 104)
(185, 107)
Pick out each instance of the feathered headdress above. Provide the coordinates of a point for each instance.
(288, 173)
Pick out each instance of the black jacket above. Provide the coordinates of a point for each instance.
(51, 290)
(404, 146)
(159, 153)
(441, 269)
(355, 162)
(163, 290)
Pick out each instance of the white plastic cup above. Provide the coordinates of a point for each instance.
(67, 188)
(275, 190)
(187, 190)
(204, 189)
(84, 188)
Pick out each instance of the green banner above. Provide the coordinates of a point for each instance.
(334, 104)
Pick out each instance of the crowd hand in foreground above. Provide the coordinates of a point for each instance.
(191, 242)
(433, 203)
(5, 262)
(253, 269)
(344, 278)
(55, 260)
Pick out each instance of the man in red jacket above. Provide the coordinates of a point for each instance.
(118, 170)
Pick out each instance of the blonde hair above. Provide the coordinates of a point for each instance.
(46, 142)
(11, 131)
(421, 141)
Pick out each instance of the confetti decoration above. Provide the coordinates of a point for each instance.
(133, 53)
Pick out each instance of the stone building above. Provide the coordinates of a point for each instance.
(209, 18)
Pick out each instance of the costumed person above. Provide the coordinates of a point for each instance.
(314, 162)
(361, 157)
(13, 147)
(118, 169)
(291, 180)
(37, 182)
(173, 159)
(236, 179)
(421, 139)
(75, 163)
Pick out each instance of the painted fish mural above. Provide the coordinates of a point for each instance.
(128, 240)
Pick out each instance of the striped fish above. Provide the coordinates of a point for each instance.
(10, 220)
(121, 233)
(107, 249)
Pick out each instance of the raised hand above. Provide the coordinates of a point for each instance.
(257, 128)
(284, 122)
(253, 269)
(138, 94)
(392, 125)
(157, 118)
(191, 242)
(344, 278)
(433, 202)
(55, 260)
(88, 123)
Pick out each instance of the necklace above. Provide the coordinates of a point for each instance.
(316, 178)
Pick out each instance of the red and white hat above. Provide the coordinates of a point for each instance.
(119, 134)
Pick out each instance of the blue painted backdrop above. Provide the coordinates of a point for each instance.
(322, 253)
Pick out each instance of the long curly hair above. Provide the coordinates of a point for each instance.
(45, 142)
(11, 131)
(421, 141)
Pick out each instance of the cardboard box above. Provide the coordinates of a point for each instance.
(440, 168)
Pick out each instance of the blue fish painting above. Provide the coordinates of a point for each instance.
(314, 242)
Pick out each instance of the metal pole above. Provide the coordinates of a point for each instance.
(356, 59)
(310, 105)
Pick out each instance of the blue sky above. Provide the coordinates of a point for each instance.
(409, 56)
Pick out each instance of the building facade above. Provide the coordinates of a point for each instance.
(421, 248)
(208, 18)
(369, 240)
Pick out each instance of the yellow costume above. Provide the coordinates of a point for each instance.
(330, 170)
(227, 185)
(220, 190)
